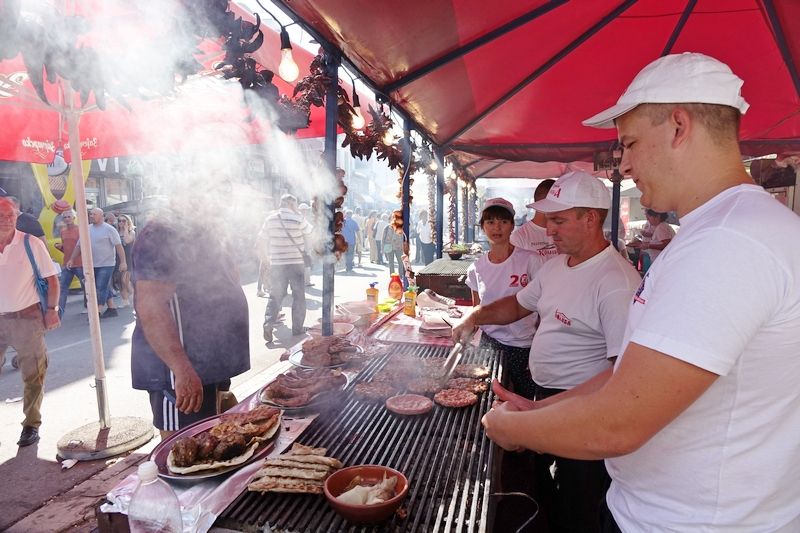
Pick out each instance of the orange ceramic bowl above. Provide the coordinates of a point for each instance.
(365, 514)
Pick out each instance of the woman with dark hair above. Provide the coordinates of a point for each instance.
(661, 234)
(501, 272)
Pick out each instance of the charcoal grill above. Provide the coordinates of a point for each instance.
(445, 456)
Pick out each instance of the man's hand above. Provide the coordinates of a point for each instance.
(462, 332)
(51, 320)
(188, 390)
(517, 402)
(123, 267)
(493, 423)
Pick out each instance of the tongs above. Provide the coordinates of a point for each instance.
(453, 358)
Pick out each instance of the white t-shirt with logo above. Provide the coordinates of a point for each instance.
(662, 232)
(496, 281)
(723, 296)
(583, 311)
(534, 238)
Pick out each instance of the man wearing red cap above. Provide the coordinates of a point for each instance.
(700, 418)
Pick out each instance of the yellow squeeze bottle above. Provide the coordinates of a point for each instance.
(410, 301)
(372, 293)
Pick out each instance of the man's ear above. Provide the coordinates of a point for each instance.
(682, 125)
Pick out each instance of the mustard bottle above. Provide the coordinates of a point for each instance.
(395, 287)
(372, 293)
(410, 301)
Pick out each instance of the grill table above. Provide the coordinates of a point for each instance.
(445, 456)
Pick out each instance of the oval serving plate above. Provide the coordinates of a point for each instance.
(323, 399)
(296, 358)
(161, 452)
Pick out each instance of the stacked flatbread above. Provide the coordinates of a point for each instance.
(302, 469)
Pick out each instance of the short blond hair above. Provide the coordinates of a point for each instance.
(721, 121)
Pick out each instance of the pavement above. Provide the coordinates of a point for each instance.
(38, 494)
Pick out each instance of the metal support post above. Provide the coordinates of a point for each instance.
(440, 207)
(332, 61)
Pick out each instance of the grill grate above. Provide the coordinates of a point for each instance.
(444, 455)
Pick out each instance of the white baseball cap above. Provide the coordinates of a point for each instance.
(677, 78)
(575, 189)
(500, 202)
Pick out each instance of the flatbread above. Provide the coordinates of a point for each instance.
(281, 484)
(318, 459)
(216, 465)
(296, 473)
(296, 464)
(302, 449)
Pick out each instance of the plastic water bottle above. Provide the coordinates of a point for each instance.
(154, 505)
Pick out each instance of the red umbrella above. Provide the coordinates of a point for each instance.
(512, 79)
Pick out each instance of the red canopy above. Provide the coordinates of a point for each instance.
(513, 79)
(204, 111)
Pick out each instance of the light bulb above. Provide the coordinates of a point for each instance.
(358, 121)
(388, 137)
(288, 69)
(434, 166)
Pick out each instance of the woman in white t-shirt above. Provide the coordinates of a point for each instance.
(502, 272)
(662, 234)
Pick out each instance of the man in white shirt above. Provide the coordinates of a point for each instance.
(582, 297)
(533, 234)
(22, 322)
(285, 232)
(700, 418)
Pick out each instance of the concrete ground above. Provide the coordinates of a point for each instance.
(38, 495)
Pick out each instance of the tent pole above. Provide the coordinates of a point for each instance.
(439, 158)
(616, 180)
(406, 190)
(73, 120)
(455, 211)
(332, 61)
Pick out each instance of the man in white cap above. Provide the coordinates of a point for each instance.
(582, 296)
(701, 415)
(533, 234)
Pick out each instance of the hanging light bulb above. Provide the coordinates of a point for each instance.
(434, 166)
(288, 69)
(358, 121)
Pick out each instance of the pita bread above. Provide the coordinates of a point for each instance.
(296, 464)
(280, 484)
(296, 473)
(302, 449)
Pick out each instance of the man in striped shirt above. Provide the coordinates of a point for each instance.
(284, 234)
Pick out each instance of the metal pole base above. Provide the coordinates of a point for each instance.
(96, 441)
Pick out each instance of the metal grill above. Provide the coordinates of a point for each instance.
(445, 456)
